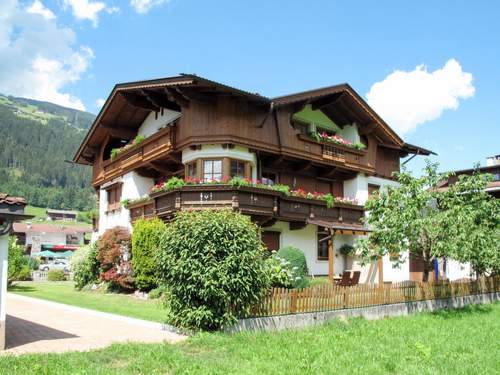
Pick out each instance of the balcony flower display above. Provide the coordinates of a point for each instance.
(177, 183)
(337, 139)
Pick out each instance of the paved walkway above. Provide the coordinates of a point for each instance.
(38, 326)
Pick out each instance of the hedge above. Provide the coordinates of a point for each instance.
(145, 244)
(297, 263)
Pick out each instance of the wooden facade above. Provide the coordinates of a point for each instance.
(215, 114)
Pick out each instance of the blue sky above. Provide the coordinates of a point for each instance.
(74, 51)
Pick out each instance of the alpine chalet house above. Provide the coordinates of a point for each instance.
(301, 165)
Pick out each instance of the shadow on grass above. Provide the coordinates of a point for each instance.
(463, 312)
(21, 288)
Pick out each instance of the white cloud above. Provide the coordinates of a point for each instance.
(100, 102)
(38, 59)
(143, 6)
(38, 8)
(88, 9)
(408, 99)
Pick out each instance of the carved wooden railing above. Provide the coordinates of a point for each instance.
(149, 149)
(248, 200)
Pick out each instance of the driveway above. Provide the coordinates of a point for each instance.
(38, 326)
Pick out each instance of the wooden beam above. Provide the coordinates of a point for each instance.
(139, 101)
(119, 132)
(331, 256)
(304, 167)
(176, 97)
(160, 100)
(160, 167)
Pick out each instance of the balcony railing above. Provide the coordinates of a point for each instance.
(136, 156)
(248, 200)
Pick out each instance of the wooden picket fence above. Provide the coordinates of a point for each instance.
(325, 297)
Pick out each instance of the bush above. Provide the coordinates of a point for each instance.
(212, 263)
(56, 275)
(145, 244)
(17, 261)
(113, 254)
(33, 264)
(297, 263)
(157, 292)
(85, 266)
(279, 272)
(24, 274)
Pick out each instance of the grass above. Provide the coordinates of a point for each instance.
(448, 342)
(318, 280)
(64, 292)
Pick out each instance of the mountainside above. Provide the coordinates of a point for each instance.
(36, 139)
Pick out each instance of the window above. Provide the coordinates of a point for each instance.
(496, 176)
(212, 170)
(114, 197)
(237, 168)
(269, 178)
(191, 170)
(323, 239)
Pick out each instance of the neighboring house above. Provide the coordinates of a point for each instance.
(492, 167)
(40, 237)
(199, 129)
(61, 215)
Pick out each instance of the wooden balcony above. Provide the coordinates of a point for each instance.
(252, 201)
(339, 155)
(152, 148)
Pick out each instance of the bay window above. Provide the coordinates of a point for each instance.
(212, 170)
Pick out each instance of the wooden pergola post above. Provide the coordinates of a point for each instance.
(331, 255)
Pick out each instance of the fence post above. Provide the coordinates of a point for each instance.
(293, 302)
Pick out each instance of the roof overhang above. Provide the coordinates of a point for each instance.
(341, 227)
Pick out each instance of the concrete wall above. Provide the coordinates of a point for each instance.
(134, 186)
(152, 124)
(276, 323)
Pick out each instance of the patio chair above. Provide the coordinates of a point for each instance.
(346, 279)
(355, 277)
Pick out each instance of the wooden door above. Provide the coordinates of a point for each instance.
(271, 240)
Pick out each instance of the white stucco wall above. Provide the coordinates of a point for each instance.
(217, 151)
(4, 248)
(456, 270)
(151, 124)
(306, 240)
(133, 186)
(357, 188)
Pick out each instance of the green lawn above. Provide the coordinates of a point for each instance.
(449, 342)
(64, 292)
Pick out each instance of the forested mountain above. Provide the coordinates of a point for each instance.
(35, 140)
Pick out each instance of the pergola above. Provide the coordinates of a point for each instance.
(11, 209)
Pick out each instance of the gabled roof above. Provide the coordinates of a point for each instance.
(344, 103)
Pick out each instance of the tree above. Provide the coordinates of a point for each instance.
(419, 218)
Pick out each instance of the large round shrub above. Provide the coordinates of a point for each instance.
(113, 254)
(85, 266)
(297, 263)
(145, 244)
(212, 263)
